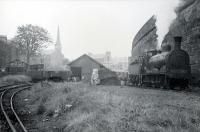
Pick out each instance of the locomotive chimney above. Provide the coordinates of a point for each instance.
(177, 40)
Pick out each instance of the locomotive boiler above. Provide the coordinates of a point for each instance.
(162, 68)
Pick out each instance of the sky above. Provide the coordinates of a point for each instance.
(94, 26)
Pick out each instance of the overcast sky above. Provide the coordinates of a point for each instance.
(88, 26)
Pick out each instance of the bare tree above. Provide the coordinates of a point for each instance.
(30, 39)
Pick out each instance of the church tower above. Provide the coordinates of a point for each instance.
(57, 57)
(58, 46)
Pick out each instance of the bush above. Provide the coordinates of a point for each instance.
(41, 109)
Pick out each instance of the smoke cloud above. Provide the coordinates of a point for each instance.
(165, 19)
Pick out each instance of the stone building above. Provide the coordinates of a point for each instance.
(119, 64)
(8, 51)
(104, 59)
(3, 51)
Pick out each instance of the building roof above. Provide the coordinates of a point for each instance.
(85, 55)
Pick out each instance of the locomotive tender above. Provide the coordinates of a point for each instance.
(162, 68)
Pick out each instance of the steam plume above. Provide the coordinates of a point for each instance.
(164, 20)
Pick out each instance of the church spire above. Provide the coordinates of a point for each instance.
(58, 43)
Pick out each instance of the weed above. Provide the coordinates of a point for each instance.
(66, 90)
(15, 79)
(83, 108)
(41, 109)
(50, 113)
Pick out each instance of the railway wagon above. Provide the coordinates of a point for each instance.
(55, 76)
(38, 73)
(16, 67)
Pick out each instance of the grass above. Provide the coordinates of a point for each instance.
(9, 79)
(71, 107)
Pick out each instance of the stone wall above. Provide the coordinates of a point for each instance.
(144, 31)
(187, 25)
(146, 38)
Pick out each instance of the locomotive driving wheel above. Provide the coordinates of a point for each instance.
(184, 84)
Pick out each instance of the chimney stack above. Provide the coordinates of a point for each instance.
(177, 40)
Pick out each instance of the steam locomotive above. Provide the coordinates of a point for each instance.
(167, 68)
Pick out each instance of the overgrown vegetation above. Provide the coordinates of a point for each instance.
(71, 107)
(9, 79)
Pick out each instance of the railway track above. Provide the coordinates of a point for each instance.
(8, 113)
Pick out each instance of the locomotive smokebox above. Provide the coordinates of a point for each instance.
(177, 40)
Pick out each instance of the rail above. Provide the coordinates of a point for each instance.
(8, 112)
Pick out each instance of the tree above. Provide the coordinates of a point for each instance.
(31, 39)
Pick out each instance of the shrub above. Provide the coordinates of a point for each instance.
(41, 109)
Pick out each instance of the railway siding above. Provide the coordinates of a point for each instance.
(8, 92)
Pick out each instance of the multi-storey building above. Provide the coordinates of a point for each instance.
(118, 64)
